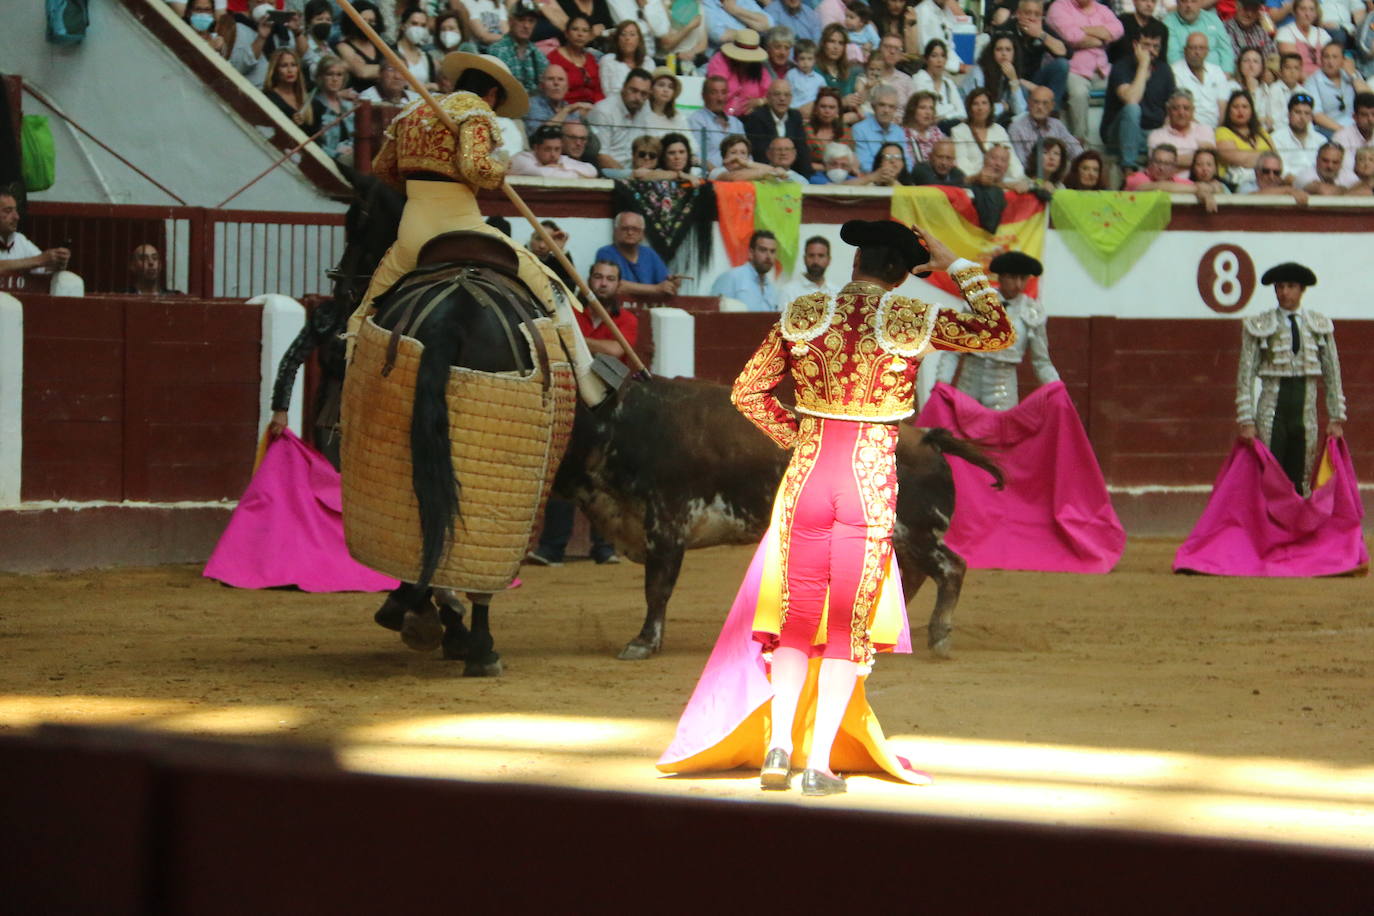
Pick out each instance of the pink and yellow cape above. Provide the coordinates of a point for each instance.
(727, 721)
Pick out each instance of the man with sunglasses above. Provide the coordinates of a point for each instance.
(1269, 180)
(1333, 87)
(1297, 142)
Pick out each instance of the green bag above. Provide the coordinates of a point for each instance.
(38, 162)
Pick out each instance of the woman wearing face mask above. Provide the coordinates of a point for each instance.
(414, 36)
(200, 16)
(356, 51)
(449, 37)
(312, 42)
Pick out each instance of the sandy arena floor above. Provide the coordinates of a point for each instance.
(1136, 700)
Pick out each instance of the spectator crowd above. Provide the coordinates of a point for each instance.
(1205, 97)
(829, 92)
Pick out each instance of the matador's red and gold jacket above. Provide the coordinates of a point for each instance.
(855, 356)
(416, 141)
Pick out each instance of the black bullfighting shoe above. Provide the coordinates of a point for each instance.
(777, 770)
(818, 782)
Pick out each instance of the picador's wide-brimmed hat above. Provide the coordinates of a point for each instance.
(886, 233)
(1289, 272)
(1016, 263)
(517, 101)
(745, 47)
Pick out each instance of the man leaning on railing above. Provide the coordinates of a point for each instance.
(17, 253)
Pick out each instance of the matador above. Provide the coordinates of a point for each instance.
(1288, 349)
(853, 360)
(990, 377)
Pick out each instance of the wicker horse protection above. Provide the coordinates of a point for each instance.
(507, 437)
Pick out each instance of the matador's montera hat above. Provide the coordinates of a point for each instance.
(886, 233)
(1017, 263)
(1289, 272)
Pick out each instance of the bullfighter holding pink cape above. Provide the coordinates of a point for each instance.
(822, 595)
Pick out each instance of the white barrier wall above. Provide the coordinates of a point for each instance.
(11, 398)
(282, 319)
(675, 343)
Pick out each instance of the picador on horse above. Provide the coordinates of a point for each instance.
(464, 363)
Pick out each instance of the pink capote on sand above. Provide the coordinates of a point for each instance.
(726, 722)
(288, 528)
(1055, 514)
(1256, 524)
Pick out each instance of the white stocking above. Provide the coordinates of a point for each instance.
(833, 691)
(789, 676)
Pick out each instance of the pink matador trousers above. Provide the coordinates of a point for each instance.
(839, 505)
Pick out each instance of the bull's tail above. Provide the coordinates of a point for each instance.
(946, 443)
(436, 487)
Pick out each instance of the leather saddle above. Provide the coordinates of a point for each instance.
(465, 247)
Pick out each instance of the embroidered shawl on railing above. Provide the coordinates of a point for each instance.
(678, 219)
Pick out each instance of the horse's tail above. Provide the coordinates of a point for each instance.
(437, 489)
(946, 443)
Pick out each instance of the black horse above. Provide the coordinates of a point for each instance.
(462, 303)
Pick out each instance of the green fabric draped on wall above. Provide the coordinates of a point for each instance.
(1108, 231)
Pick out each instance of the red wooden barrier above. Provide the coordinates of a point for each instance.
(133, 399)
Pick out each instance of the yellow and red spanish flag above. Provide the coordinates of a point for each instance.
(948, 215)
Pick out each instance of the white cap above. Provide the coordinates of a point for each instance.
(261, 10)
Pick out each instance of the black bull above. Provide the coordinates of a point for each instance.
(671, 466)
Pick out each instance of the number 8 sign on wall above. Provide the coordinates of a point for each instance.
(1226, 278)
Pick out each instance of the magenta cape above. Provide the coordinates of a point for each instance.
(726, 723)
(288, 528)
(1055, 514)
(1256, 524)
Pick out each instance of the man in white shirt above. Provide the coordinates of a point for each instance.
(17, 253)
(1204, 79)
(816, 258)
(1328, 177)
(752, 282)
(618, 120)
(546, 160)
(391, 87)
(1296, 142)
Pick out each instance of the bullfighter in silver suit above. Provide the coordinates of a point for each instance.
(1288, 349)
(990, 378)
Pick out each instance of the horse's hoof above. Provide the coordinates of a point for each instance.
(455, 650)
(422, 631)
(490, 667)
(390, 615)
(637, 651)
(940, 648)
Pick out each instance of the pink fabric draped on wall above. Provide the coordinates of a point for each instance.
(1256, 524)
(288, 528)
(1055, 514)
